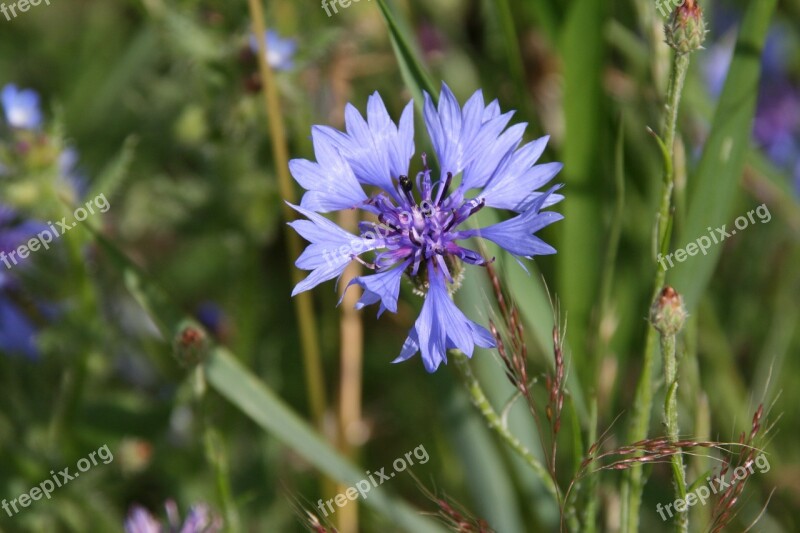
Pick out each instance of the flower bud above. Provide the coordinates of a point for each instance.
(686, 29)
(191, 344)
(667, 313)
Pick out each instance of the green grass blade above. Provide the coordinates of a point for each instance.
(579, 251)
(265, 408)
(717, 177)
(414, 74)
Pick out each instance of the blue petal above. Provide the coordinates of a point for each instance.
(383, 287)
(17, 333)
(330, 251)
(461, 137)
(139, 520)
(280, 51)
(330, 182)
(514, 182)
(377, 150)
(21, 108)
(480, 171)
(442, 326)
(516, 234)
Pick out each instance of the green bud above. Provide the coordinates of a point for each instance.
(191, 344)
(667, 313)
(686, 29)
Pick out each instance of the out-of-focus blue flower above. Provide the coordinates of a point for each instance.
(419, 232)
(776, 128)
(280, 51)
(777, 123)
(716, 62)
(17, 332)
(199, 520)
(21, 107)
(214, 319)
(141, 521)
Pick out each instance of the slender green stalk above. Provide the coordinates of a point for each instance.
(513, 53)
(590, 510)
(482, 403)
(671, 423)
(215, 452)
(643, 402)
(312, 359)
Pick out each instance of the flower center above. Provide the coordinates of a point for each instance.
(422, 232)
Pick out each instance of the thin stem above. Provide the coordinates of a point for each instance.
(213, 446)
(643, 402)
(679, 69)
(312, 360)
(590, 511)
(671, 423)
(482, 403)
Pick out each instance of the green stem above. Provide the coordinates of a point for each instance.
(214, 448)
(482, 403)
(590, 511)
(671, 423)
(633, 481)
(312, 359)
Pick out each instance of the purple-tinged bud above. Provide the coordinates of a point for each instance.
(667, 313)
(191, 344)
(686, 29)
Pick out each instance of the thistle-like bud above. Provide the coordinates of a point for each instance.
(686, 29)
(191, 344)
(667, 313)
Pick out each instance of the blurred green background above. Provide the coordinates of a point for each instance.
(163, 103)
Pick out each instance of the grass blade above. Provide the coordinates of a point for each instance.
(414, 74)
(723, 159)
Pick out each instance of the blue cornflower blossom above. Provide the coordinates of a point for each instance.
(280, 51)
(199, 520)
(17, 332)
(21, 107)
(776, 127)
(419, 234)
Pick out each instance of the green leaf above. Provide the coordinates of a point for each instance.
(235, 383)
(265, 408)
(716, 180)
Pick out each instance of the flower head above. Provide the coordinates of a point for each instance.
(280, 51)
(667, 313)
(199, 520)
(17, 331)
(686, 30)
(418, 226)
(21, 107)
